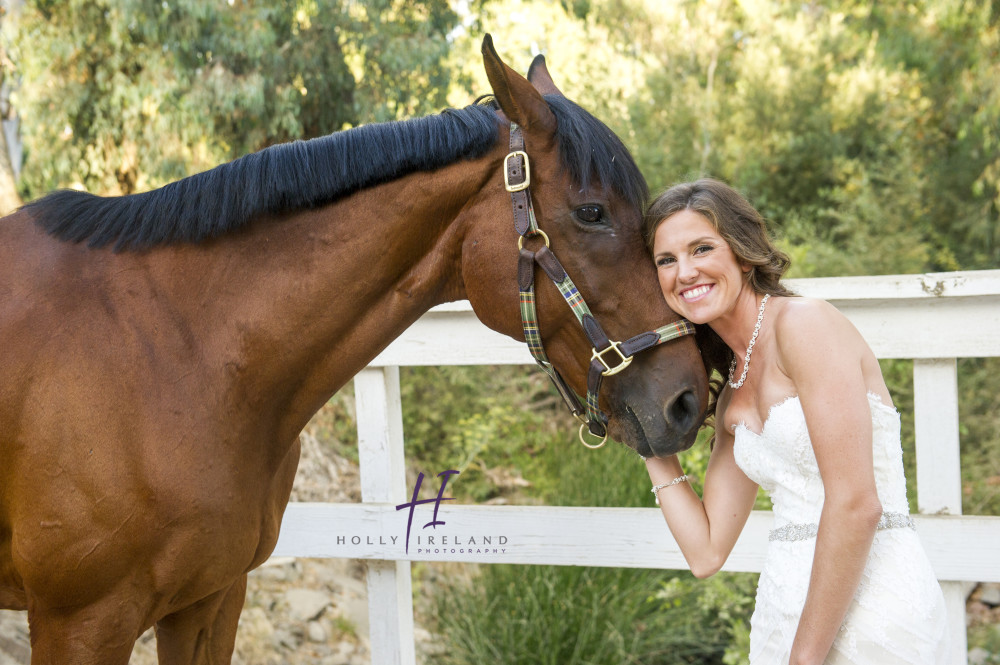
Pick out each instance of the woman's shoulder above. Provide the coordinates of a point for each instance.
(800, 315)
(810, 328)
(813, 326)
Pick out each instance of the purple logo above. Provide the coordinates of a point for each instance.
(436, 501)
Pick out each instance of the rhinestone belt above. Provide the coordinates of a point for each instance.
(791, 532)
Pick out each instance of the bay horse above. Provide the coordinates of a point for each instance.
(160, 352)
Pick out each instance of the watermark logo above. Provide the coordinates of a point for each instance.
(414, 502)
(462, 540)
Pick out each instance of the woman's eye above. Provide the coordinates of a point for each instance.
(664, 261)
(591, 214)
(701, 249)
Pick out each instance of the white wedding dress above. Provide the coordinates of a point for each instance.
(897, 615)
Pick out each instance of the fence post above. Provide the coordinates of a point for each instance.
(939, 475)
(383, 480)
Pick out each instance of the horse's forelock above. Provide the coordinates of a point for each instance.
(590, 150)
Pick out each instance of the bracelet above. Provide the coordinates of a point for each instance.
(675, 481)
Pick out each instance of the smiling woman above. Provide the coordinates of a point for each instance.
(846, 579)
(717, 221)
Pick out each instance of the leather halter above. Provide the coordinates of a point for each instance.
(607, 357)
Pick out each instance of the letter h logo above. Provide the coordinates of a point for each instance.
(436, 501)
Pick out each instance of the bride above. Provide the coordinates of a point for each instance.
(806, 415)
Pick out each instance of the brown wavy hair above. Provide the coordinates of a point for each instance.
(743, 228)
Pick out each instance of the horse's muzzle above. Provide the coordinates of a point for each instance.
(660, 429)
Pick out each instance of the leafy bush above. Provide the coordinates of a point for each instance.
(563, 615)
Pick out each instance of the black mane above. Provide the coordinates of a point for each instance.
(309, 174)
(589, 149)
(284, 177)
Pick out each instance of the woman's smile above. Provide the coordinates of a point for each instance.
(696, 292)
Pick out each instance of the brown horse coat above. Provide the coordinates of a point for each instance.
(151, 398)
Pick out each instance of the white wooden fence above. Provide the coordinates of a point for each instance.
(932, 318)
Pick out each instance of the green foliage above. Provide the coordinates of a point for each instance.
(126, 96)
(978, 406)
(718, 607)
(557, 615)
(987, 638)
(865, 133)
(489, 423)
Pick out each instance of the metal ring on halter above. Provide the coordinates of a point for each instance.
(604, 439)
(520, 241)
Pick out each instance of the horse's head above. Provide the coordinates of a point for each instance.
(588, 198)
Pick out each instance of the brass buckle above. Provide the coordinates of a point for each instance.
(506, 172)
(608, 369)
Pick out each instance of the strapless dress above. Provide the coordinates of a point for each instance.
(898, 612)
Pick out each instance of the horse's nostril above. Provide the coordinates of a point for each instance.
(682, 412)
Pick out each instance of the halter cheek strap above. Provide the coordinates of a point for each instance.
(607, 357)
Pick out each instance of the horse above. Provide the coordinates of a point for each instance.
(162, 351)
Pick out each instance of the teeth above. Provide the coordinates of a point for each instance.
(696, 292)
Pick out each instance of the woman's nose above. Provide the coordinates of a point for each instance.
(686, 270)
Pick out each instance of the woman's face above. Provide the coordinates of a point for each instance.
(699, 275)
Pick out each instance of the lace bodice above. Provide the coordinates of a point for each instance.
(897, 615)
(781, 460)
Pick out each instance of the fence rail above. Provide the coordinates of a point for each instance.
(932, 319)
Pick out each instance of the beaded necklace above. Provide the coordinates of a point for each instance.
(746, 358)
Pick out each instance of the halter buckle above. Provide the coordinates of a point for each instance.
(625, 361)
(506, 172)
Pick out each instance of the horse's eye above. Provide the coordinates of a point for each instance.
(590, 214)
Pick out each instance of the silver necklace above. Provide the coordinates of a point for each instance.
(746, 358)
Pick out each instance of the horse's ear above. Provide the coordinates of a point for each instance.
(539, 76)
(518, 99)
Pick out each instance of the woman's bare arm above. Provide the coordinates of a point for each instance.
(822, 353)
(706, 528)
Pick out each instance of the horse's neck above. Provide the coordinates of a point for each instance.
(322, 292)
